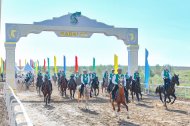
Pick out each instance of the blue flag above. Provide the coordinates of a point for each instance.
(147, 70)
(64, 63)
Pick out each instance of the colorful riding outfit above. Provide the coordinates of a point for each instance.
(47, 79)
(105, 76)
(85, 80)
(166, 77)
(136, 75)
(116, 80)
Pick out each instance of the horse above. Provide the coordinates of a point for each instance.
(120, 98)
(46, 90)
(39, 84)
(94, 86)
(105, 84)
(72, 87)
(63, 85)
(28, 82)
(78, 80)
(170, 91)
(136, 88)
(54, 78)
(84, 96)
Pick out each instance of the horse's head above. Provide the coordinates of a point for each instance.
(175, 79)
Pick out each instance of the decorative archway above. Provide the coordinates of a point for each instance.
(70, 25)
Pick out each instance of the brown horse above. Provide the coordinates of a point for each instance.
(46, 90)
(72, 87)
(63, 86)
(120, 99)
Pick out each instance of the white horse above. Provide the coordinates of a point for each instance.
(85, 96)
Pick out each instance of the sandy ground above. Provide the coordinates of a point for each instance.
(65, 112)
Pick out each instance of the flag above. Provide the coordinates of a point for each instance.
(76, 64)
(94, 65)
(55, 67)
(64, 63)
(48, 65)
(147, 69)
(44, 65)
(115, 63)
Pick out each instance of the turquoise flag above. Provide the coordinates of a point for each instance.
(147, 70)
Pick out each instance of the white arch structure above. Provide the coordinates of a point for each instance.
(70, 25)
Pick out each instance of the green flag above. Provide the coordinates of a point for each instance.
(94, 64)
(48, 65)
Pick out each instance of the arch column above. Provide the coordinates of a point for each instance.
(132, 58)
(10, 63)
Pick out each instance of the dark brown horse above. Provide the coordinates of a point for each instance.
(72, 87)
(170, 90)
(136, 88)
(63, 86)
(46, 90)
(120, 99)
(95, 87)
(39, 84)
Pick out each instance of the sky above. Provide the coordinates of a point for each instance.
(163, 28)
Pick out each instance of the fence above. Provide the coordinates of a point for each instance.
(12, 101)
(180, 91)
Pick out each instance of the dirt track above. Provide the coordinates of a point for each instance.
(65, 112)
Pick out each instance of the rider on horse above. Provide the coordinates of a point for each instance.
(39, 74)
(77, 75)
(71, 77)
(93, 75)
(167, 77)
(28, 76)
(111, 75)
(105, 76)
(116, 80)
(85, 79)
(47, 78)
(127, 76)
(136, 75)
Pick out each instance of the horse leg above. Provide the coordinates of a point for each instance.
(127, 109)
(49, 98)
(174, 98)
(141, 95)
(137, 95)
(161, 97)
(73, 94)
(65, 92)
(70, 94)
(165, 96)
(132, 95)
(98, 92)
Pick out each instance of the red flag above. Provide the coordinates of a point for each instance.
(44, 65)
(76, 64)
